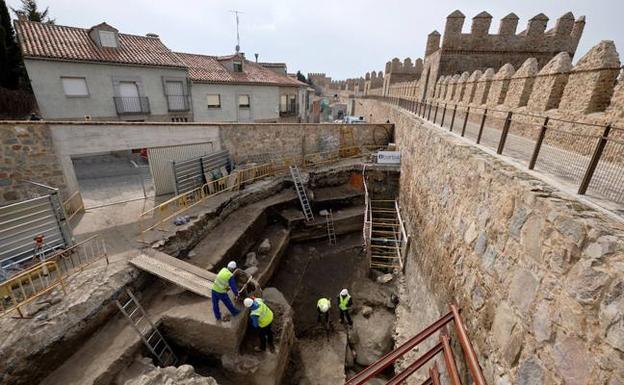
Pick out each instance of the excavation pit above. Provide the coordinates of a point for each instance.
(105, 348)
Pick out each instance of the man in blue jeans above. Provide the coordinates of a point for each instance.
(225, 278)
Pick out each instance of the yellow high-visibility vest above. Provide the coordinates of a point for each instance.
(263, 312)
(222, 281)
(344, 302)
(323, 301)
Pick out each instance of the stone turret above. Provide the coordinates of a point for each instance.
(481, 24)
(537, 25)
(453, 27)
(433, 43)
(508, 25)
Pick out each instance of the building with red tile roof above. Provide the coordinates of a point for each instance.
(100, 73)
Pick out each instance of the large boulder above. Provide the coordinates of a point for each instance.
(143, 372)
(373, 335)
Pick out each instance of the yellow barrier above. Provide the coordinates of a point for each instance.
(29, 285)
(167, 210)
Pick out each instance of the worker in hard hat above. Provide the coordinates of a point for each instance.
(261, 319)
(322, 307)
(344, 304)
(224, 281)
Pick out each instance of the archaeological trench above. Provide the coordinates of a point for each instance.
(536, 273)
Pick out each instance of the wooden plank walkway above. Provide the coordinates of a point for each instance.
(176, 271)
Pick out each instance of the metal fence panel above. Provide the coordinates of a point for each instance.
(191, 173)
(160, 159)
(21, 222)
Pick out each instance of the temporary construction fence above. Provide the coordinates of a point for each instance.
(24, 287)
(22, 223)
(587, 155)
(159, 216)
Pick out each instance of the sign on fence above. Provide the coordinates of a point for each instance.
(389, 157)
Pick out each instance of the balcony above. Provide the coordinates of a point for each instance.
(178, 103)
(127, 105)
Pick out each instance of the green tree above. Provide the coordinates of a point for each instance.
(30, 9)
(11, 69)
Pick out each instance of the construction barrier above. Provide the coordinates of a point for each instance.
(158, 216)
(43, 277)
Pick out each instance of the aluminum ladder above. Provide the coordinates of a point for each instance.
(303, 198)
(146, 329)
(331, 231)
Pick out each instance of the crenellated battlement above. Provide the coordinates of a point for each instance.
(535, 39)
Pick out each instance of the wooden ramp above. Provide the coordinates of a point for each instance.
(176, 271)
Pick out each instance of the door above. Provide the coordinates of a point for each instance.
(129, 92)
(175, 95)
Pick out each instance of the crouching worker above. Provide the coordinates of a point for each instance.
(322, 308)
(261, 319)
(344, 305)
(224, 281)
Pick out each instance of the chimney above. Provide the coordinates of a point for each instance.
(256, 55)
(151, 34)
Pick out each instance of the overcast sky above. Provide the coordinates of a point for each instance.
(339, 37)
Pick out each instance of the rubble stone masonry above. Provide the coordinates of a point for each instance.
(27, 153)
(538, 274)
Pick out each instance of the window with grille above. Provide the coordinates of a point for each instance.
(214, 101)
(292, 104)
(75, 87)
(243, 101)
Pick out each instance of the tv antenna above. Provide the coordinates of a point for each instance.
(236, 13)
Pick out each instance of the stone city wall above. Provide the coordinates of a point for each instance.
(27, 154)
(588, 92)
(538, 274)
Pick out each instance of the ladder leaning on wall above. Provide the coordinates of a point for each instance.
(146, 329)
(331, 231)
(301, 193)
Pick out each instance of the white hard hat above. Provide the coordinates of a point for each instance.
(324, 307)
(248, 302)
(231, 265)
(344, 292)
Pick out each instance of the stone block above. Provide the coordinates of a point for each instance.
(585, 283)
(612, 315)
(571, 359)
(522, 290)
(542, 323)
(530, 372)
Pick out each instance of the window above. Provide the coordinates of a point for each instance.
(176, 100)
(243, 101)
(237, 66)
(107, 39)
(75, 87)
(283, 103)
(292, 104)
(214, 101)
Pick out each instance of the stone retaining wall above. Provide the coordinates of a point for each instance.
(538, 274)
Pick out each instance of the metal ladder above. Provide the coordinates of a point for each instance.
(146, 329)
(303, 198)
(331, 232)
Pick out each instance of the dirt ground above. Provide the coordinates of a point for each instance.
(312, 270)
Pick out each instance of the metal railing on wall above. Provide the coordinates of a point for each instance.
(590, 156)
(157, 217)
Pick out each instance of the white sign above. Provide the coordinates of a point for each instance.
(389, 157)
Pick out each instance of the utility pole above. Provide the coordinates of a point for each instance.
(236, 13)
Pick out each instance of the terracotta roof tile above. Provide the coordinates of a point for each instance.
(56, 42)
(209, 69)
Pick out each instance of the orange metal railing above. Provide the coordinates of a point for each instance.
(443, 346)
